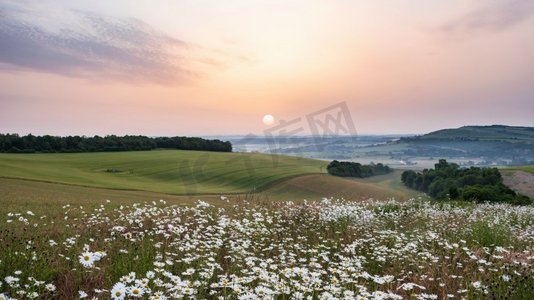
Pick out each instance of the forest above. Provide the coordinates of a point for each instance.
(13, 143)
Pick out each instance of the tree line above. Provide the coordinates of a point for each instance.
(354, 169)
(449, 181)
(13, 143)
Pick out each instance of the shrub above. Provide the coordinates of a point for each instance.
(353, 169)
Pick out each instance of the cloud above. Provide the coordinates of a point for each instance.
(83, 44)
(497, 16)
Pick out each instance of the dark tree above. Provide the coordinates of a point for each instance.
(353, 169)
(44, 144)
(449, 181)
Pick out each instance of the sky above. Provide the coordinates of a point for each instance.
(198, 67)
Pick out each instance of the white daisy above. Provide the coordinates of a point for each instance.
(87, 259)
(136, 291)
(118, 292)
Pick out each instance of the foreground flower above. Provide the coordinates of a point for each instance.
(136, 291)
(87, 259)
(50, 287)
(317, 250)
(119, 291)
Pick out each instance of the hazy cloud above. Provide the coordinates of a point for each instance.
(492, 16)
(83, 44)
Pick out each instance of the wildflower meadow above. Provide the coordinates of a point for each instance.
(329, 249)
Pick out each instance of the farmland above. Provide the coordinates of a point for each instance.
(529, 169)
(318, 186)
(521, 179)
(167, 171)
(70, 229)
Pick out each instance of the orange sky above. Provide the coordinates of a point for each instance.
(208, 67)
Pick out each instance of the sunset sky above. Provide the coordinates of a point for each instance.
(217, 67)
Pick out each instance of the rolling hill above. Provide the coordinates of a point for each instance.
(500, 133)
(318, 186)
(178, 176)
(166, 171)
(496, 144)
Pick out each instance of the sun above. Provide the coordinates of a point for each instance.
(268, 120)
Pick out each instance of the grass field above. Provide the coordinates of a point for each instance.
(529, 168)
(48, 198)
(318, 186)
(520, 180)
(167, 171)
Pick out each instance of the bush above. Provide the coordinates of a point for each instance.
(353, 169)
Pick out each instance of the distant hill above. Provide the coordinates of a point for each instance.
(501, 133)
(483, 145)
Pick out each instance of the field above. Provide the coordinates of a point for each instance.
(268, 250)
(106, 239)
(318, 186)
(167, 171)
(521, 179)
(189, 173)
(529, 169)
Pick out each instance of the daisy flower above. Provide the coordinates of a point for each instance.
(118, 292)
(136, 291)
(50, 287)
(87, 259)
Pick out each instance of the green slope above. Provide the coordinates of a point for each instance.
(166, 171)
(483, 133)
(318, 186)
(492, 143)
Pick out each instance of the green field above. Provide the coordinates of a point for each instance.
(58, 209)
(166, 171)
(529, 169)
(318, 186)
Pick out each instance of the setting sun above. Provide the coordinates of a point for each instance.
(268, 120)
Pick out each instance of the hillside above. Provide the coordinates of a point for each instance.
(318, 186)
(165, 171)
(519, 180)
(468, 145)
(500, 133)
